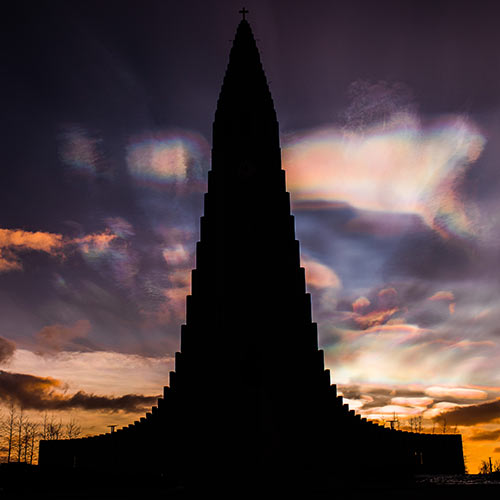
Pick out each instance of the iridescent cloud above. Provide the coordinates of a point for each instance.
(456, 392)
(160, 159)
(398, 166)
(176, 254)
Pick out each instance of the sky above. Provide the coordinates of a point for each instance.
(390, 123)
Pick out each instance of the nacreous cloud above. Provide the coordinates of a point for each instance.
(396, 166)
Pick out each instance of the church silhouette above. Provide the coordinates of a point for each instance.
(250, 401)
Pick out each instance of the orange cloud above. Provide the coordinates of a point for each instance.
(360, 304)
(14, 242)
(443, 295)
(97, 242)
(374, 318)
(9, 263)
(44, 242)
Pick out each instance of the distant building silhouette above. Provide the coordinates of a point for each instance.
(250, 399)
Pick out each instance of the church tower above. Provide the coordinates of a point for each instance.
(249, 348)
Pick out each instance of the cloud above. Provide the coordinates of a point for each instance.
(15, 242)
(384, 412)
(379, 224)
(373, 396)
(406, 401)
(176, 255)
(443, 295)
(474, 414)
(360, 305)
(57, 337)
(97, 242)
(319, 275)
(98, 371)
(7, 349)
(26, 240)
(395, 166)
(79, 150)
(374, 318)
(455, 393)
(162, 159)
(45, 393)
(375, 102)
(383, 307)
(485, 435)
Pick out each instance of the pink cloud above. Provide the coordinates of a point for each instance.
(319, 275)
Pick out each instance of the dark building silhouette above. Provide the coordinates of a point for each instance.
(250, 399)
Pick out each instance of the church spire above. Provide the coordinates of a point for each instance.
(245, 111)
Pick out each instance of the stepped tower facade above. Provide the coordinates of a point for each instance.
(249, 308)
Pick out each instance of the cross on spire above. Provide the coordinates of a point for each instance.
(243, 11)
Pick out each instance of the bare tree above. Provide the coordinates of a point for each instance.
(54, 429)
(30, 429)
(487, 467)
(33, 436)
(10, 423)
(73, 429)
(21, 418)
(416, 423)
(444, 425)
(51, 430)
(484, 468)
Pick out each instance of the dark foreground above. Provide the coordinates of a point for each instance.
(22, 482)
